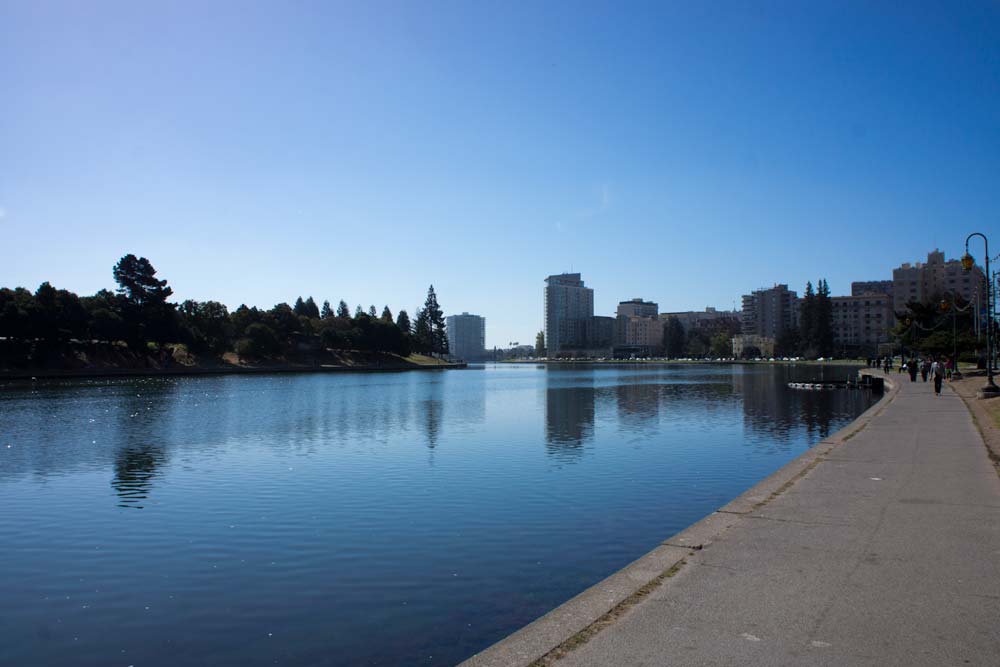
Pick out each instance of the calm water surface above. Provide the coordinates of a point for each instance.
(409, 518)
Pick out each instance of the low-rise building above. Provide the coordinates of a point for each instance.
(753, 345)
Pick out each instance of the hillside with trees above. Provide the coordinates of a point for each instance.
(137, 326)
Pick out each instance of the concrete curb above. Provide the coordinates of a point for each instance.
(560, 629)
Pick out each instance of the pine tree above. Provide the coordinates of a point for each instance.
(359, 312)
(807, 322)
(540, 344)
(300, 306)
(673, 338)
(403, 322)
(386, 315)
(310, 309)
(342, 310)
(327, 311)
(372, 313)
(436, 338)
(423, 333)
(823, 321)
(137, 282)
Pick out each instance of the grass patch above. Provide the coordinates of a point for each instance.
(425, 360)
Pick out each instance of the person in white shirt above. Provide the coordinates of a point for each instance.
(937, 372)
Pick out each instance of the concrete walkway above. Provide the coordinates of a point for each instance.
(885, 552)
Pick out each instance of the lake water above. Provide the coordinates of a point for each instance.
(361, 519)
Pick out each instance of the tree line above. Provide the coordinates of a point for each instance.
(696, 343)
(813, 337)
(139, 313)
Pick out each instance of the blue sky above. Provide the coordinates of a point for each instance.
(685, 153)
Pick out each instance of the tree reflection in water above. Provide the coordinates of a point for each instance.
(135, 469)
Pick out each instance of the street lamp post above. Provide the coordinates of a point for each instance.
(955, 373)
(968, 262)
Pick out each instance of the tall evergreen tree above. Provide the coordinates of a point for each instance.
(145, 309)
(372, 313)
(423, 332)
(386, 315)
(310, 309)
(403, 322)
(823, 319)
(807, 322)
(359, 311)
(673, 338)
(343, 310)
(137, 282)
(300, 307)
(436, 339)
(327, 311)
(540, 344)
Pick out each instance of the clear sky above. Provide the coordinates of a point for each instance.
(685, 152)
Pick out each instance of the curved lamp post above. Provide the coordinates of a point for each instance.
(968, 262)
(953, 307)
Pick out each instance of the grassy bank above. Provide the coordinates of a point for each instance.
(97, 359)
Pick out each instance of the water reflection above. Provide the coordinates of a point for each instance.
(304, 491)
(569, 414)
(432, 412)
(639, 404)
(135, 470)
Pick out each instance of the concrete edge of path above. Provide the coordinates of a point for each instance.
(574, 621)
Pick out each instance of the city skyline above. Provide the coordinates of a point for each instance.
(372, 150)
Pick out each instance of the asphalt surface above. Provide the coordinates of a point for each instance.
(886, 553)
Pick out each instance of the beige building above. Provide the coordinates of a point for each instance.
(709, 320)
(640, 335)
(861, 322)
(638, 330)
(637, 308)
(929, 282)
(744, 342)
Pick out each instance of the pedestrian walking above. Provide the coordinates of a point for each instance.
(925, 368)
(912, 366)
(937, 371)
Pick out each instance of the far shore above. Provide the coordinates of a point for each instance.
(664, 362)
(357, 363)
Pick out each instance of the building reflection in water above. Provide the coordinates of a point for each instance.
(638, 405)
(569, 413)
(771, 408)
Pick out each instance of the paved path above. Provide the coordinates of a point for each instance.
(886, 553)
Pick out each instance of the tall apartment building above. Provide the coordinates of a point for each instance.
(769, 312)
(568, 305)
(861, 322)
(466, 336)
(935, 279)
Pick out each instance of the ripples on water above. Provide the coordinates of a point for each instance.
(409, 518)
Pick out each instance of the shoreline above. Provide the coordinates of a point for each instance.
(549, 637)
(672, 362)
(62, 374)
